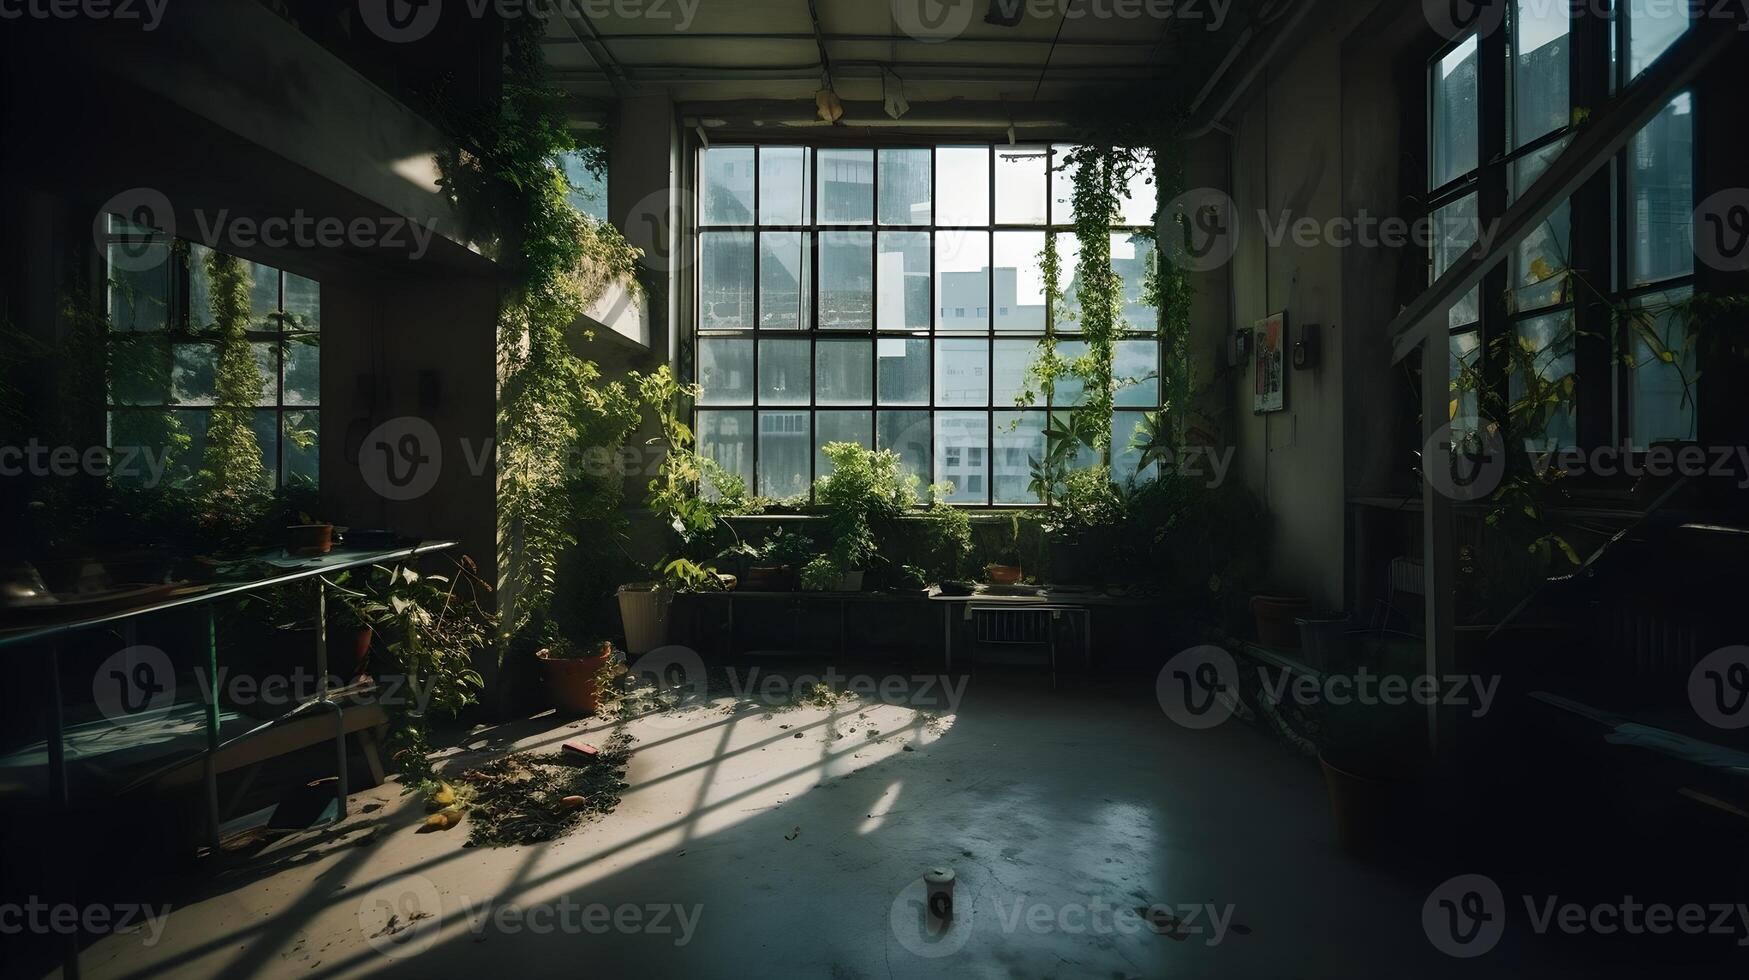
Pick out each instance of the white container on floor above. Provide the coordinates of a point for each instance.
(644, 609)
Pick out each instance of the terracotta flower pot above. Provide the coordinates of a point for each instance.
(1004, 574)
(309, 539)
(573, 683)
(1277, 620)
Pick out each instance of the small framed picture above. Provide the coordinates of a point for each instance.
(1269, 347)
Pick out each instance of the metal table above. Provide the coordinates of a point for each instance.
(295, 570)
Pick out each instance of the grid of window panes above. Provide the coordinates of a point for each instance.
(1654, 214)
(164, 357)
(893, 297)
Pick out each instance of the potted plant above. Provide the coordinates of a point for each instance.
(1276, 618)
(573, 673)
(774, 564)
(1006, 569)
(1372, 755)
(864, 497)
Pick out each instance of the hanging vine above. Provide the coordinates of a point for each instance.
(553, 403)
(233, 480)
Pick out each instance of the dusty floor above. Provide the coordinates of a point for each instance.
(742, 849)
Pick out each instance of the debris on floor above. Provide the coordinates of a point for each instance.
(529, 798)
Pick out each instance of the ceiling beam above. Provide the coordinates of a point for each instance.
(804, 38)
(1597, 142)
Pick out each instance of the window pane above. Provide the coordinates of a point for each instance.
(1013, 357)
(192, 374)
(303, 370)
(303, 303)
(1062, 185)
(300, 435)
(1455, 228)
(1132, 257)
(1124, 457)
(904, 370)
(906, 433)
(1021, 173)
(846, 280)
(844, 372)
(140, 369)
(588, 193)
(139, 286)
(846, 186)
(1139, 200)
(1539, 69)
(905, 194)
(1466, 381)
(784, 284)
(726, 281)
(726, 438)
(1664, 389)
(1454, 128)
(961, 440)
(1136, 361)
(962, 372)
(903, 272)
(783, 185)
(725, 371)
(1551, 339)
(728, 186)
(962, 281)
(1020, 281)
(1019, 439)
(1661, 195)
(149, 439)
(830, 427)
(265, 426)
(1068, 266)
(785, 372)
(1070, 392)
(962, 177)
(1653, 25)
(1540, 261)
(784, 457)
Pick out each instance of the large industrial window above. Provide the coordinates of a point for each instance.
(1483, 153)
(893, 297)
(163, 358)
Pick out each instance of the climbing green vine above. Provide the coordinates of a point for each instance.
(233, 480)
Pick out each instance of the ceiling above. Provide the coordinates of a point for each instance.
(773, 51)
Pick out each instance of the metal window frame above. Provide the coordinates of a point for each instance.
(812, 231)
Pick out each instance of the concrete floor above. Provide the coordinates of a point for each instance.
(1060, 812)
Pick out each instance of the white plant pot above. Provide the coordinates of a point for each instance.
(644, 610)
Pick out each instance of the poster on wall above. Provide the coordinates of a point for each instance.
(1269, 389)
